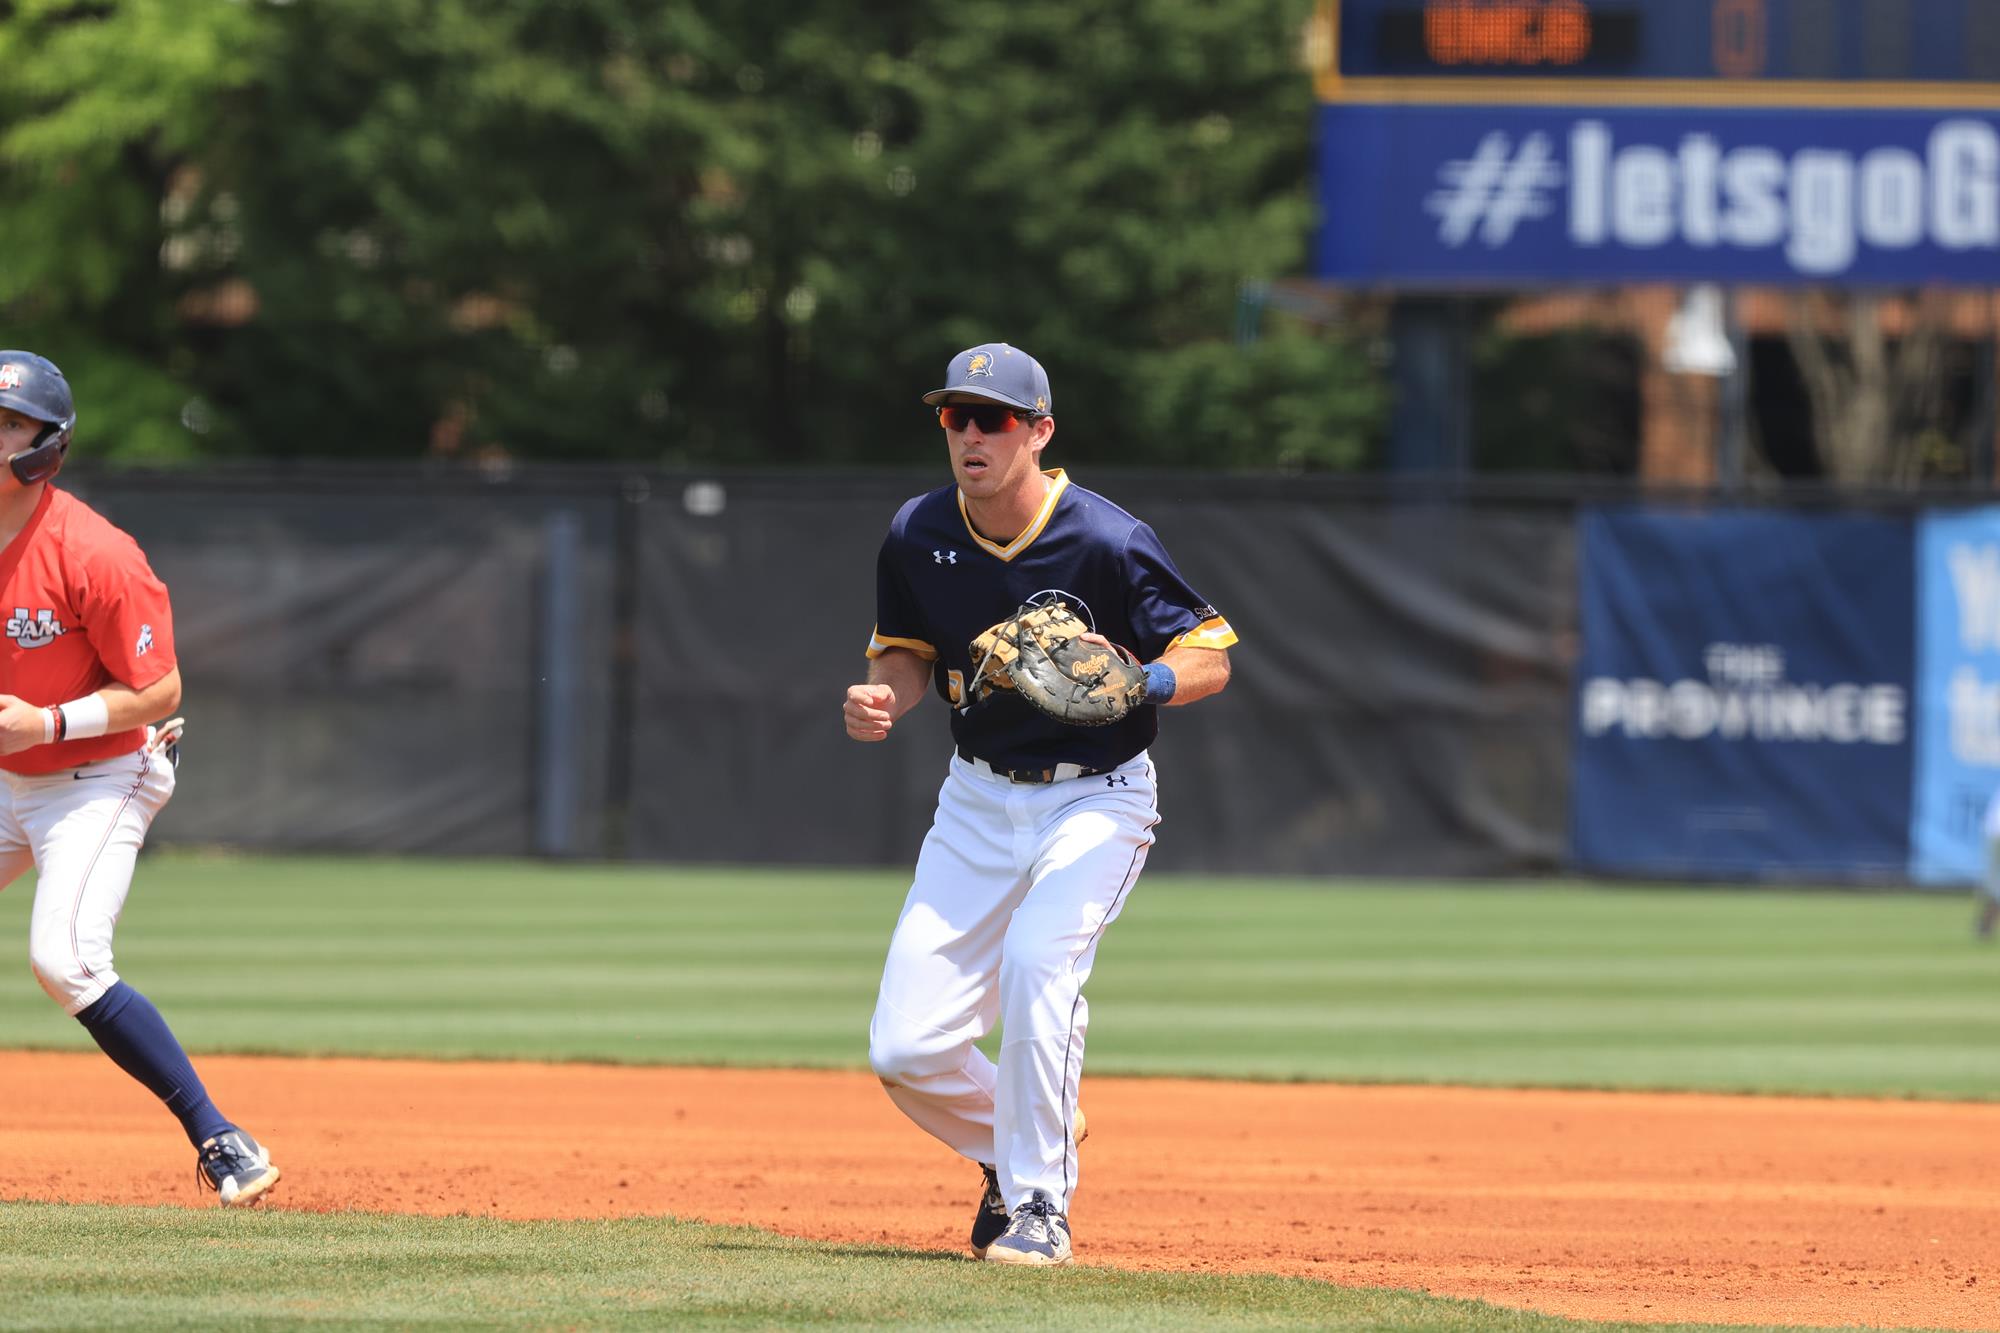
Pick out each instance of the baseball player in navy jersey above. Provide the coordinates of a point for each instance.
(86, 665)
(1041, 828)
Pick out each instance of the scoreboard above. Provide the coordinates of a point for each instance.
(1916, 53)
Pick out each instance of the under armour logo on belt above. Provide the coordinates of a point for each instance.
(1115, 780)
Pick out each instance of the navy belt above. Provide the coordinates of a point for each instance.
(1060, 773)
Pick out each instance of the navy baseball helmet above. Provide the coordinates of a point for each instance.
(32, 386)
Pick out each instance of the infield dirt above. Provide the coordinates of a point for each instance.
(1595, 1205)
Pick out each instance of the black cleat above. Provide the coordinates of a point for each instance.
(991, 1219)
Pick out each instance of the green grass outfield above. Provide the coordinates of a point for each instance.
(1545, 984)
(1548, 984)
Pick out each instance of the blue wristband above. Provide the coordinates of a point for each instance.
(1160, 682)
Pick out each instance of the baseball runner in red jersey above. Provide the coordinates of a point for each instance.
(1042, 827)
(86, 666)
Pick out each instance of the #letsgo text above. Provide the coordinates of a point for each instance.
(1821, 202)
(1821, 205)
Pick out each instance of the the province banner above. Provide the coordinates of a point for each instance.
(1743, 695)
(1958, 736)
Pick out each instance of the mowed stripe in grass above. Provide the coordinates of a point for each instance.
(1552, 984)
(163, 1268)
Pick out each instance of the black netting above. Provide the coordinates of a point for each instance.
(375, 666)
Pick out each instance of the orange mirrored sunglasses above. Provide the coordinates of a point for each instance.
(991, 418)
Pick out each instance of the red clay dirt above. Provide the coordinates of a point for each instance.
(1594, 1205)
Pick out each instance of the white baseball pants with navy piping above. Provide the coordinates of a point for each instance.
(81, 828)
(1013, 891)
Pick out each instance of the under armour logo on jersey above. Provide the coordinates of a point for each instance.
(944, 557)
(145, 641)
(1115, 780)
(36, 631)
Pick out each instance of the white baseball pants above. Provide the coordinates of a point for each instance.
(82, 829)
(1013, 890)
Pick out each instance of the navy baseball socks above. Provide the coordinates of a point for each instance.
(129, 1029)
(138, 1040)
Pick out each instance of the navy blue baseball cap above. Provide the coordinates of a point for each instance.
(995, 373)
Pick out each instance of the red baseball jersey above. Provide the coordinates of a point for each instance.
(82, 609)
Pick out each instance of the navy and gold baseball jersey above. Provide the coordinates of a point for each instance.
(939, 583)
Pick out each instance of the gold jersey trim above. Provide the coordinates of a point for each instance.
(1214, 633)
(1029, 533)
(879, 643)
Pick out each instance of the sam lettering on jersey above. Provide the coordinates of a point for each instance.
(939, 583)
(83, 609)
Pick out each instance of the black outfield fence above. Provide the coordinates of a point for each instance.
(609, 663)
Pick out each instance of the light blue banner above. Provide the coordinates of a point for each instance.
(1958, 673)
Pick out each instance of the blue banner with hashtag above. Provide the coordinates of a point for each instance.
(1468, 195)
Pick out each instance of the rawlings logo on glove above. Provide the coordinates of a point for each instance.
(1040, 653)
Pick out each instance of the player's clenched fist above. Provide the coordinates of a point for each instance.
(22, 724)
(867, 711)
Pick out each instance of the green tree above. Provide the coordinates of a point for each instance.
(1094, 186)
(615, 228)
(105, 105)
(467, 224)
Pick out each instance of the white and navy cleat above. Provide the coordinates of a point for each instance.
(991, 1219)
(236, 1167)
(1036, 1235)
